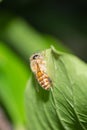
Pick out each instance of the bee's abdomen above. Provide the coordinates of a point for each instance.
(43, 80)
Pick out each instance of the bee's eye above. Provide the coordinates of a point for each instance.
(35, 56)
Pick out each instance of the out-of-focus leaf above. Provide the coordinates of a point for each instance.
(25, 39)
(13, 77)
(64, 106)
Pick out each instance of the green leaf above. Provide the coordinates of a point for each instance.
(64, 106)
(13, 77)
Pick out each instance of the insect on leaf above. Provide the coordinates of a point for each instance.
(64, 106)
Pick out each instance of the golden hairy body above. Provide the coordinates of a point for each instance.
(38, 67)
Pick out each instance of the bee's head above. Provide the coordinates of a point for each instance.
(35, 56)
(34, 60)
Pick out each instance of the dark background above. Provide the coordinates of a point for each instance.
(65, 20)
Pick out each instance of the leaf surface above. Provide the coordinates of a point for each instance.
(13, 77)
(64, 107)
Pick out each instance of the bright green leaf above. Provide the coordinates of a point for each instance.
(13, 77)
(64, 106)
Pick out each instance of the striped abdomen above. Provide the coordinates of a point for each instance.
(43, 80)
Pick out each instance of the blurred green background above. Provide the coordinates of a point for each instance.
(28, 26)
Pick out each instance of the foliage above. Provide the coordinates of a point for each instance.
(19, 39)
(13, 77)
(64, 107)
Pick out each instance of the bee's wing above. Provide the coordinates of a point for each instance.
(34, 66)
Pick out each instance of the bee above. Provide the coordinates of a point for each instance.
(38, 67)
